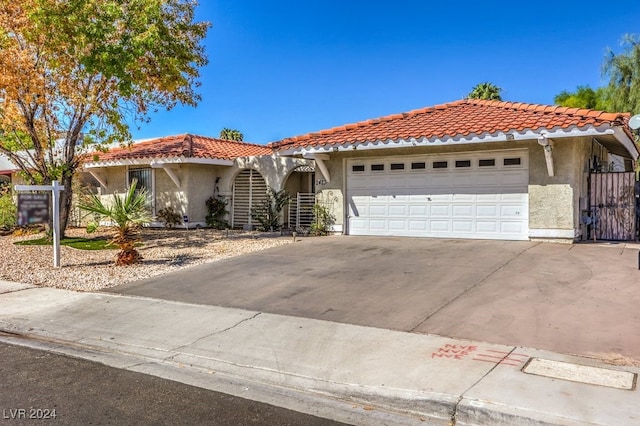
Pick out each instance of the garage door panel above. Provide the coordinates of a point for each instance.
(378, 224)
(418, 210)
(440, 210)
(487, 210)
(397, 225)
(462, 202)
(439, 225)
(463, 210)
(398, 211)
(418, 225)
(487, 226)
(512, 212)
(357, 224)
(462, 226)
(378, 210)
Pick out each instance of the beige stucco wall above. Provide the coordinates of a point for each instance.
(553, 201)
(196, 185)
(197, 182)
(167, 194)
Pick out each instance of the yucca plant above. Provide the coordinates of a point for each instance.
(129, 213)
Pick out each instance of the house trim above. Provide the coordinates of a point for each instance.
(158, 162)
(554, 133)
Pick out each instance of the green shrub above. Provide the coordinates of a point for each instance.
(8, 209)
(322, 220)
(267, 213)
(216, 210)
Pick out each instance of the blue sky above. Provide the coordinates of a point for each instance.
(282, 68)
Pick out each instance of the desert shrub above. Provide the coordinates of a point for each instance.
(129, 213)
(322, 220)
(169, 217)
(216, 210)
(267, 213)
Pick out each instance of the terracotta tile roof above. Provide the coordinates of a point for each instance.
(185, 145)
(461, 118)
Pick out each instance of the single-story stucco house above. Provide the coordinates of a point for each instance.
(465, 169)
(183, 171)
(473, 169)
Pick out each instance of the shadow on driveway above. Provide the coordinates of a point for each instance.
(582, 299)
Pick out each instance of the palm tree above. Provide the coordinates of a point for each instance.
(487, 91)
(231, 134)
(128, 213)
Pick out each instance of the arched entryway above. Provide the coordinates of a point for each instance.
(300, 184)
(249, 190)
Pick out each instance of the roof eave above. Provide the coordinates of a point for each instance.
(155, 160)
(501, 136)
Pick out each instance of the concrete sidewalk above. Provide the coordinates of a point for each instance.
(349, 373)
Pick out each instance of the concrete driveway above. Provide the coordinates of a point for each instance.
(581, 299)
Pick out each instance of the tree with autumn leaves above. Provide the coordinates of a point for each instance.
(76, 74)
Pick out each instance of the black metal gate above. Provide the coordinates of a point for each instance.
(612, 202)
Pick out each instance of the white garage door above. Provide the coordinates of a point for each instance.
(463, 195)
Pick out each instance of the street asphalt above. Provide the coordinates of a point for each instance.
(573, 299)
(45, 388)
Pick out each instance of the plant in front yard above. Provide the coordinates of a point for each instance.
(129, 213)
(169, 217)
(268, 212)
(322, 220)
(216, 210)
(8, 209)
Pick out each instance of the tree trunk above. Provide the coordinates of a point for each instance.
(66, 198)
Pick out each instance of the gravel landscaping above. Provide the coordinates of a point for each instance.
(163, 251)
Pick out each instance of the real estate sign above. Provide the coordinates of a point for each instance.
(33, 208)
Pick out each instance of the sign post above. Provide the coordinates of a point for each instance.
(55, 189)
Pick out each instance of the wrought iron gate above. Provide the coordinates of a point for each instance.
(612, 206)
